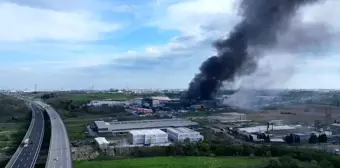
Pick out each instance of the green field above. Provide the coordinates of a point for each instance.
(6, 134)
(101, 96)
(76, 129)
(174, 162)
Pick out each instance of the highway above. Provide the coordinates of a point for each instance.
(59, 154)
(28, 156)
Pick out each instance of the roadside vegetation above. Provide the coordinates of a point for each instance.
(12, 109)
(175, 162)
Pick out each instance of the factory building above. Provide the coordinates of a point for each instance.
(235, 116)
(110, 103)
(123, 127)
(147, 137)
(275, 129)
(159, 101)
(102, 143)
(335, 129)
(181, 134)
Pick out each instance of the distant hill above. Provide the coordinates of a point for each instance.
(12, 109)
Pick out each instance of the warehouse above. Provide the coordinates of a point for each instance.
(335, 128)
(123, 127)
(147, 137)
(102, 143)
(282, 129)
(182, 133)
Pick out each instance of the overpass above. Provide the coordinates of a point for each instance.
(59, 153)
(26, 157)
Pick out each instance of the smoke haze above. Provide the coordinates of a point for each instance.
(263, 27)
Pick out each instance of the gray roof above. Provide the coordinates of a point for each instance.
(143, 124)
(101, 124)
(181, 130)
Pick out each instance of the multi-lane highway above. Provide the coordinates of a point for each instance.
(27, 156)
(59, 154)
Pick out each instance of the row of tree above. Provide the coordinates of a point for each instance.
(211, 149)
(291, 138)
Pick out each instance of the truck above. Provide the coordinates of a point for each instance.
(26, 142)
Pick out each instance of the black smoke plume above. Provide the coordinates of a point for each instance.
(262, 22)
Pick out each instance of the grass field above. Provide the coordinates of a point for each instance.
(6, 132)
(174, 162)
(76, 129)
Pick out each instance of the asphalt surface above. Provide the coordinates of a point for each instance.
(59, 154)
(29, 155)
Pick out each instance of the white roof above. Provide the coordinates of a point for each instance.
(336, 125)
(147, 132)
(262, 128)
(234, 114)
(161, 98)
(101, 140)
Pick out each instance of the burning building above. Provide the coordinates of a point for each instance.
(238, 55)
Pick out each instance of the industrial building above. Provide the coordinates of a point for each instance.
(147, 137)
(110, 103)
(123, 127)
(102, 143)
(335, 129)
(281, 129)
(181, 134)
(149, 102)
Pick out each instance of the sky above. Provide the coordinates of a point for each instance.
(156, 44)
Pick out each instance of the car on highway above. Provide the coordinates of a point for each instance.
(26, 142)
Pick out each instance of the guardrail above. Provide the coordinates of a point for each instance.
(19, 149)
(45, 106)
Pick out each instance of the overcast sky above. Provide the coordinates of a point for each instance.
(74, 44)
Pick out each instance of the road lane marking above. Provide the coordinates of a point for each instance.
(25, 165)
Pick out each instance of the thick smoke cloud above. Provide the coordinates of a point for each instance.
(263, 22)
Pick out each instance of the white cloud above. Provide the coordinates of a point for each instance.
(326, 12)
(194, 17)
(23, 23)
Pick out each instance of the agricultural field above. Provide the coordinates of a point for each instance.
(175, 162)
(101, 96)
(76, 128)
(298, 113)
(7, 132)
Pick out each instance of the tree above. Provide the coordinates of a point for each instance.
(322, 138)
(274, 163)
(289, 139)
(326, 164)
(313, 139)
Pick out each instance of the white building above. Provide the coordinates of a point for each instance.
(335, 129)
(98, 103)
(235, 116)
(159, 100)
(137, 101)
(102, 143)
(263, 128)
(182, 133)
(147, 136)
